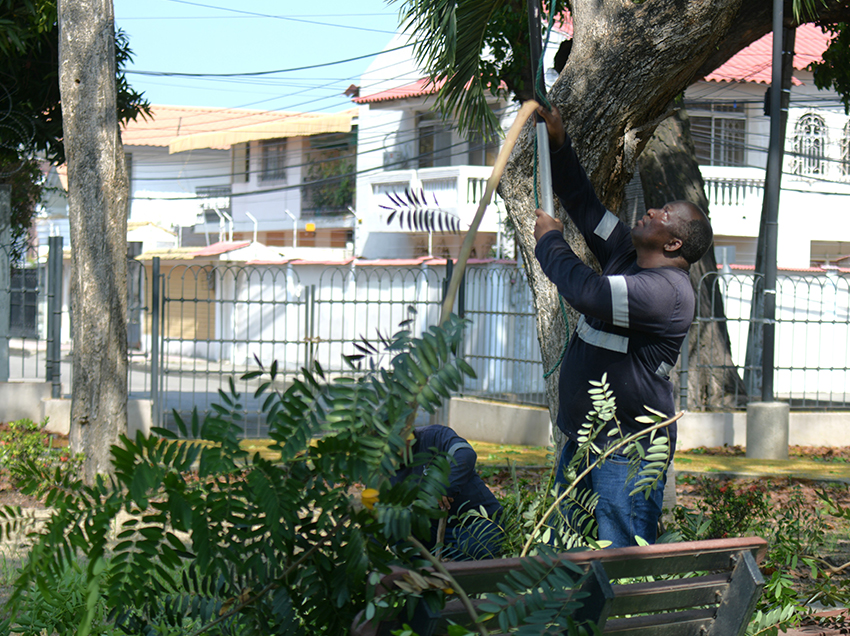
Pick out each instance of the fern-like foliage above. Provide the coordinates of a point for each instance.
(194, 534)
(411, 208)
(599, 437)
(540, 599)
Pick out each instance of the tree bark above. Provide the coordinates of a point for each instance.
(627, 63)
(98, 206)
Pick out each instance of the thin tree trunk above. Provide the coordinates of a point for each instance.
(98, 206)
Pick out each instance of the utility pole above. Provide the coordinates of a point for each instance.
(767, 421)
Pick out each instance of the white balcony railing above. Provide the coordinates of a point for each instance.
(455, 189)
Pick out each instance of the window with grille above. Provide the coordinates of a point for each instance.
(809, 155)
(435, 140)
(845, 151)
(213, 198)
(720, 134)
(273, 152)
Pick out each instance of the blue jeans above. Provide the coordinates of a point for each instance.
(619, 517)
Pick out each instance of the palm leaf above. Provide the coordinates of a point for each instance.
(412, 208)
(449, 46)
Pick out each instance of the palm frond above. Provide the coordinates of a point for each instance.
(412, 208)
(449, 45)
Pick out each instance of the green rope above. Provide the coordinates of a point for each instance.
(543, 100)
(566, 341)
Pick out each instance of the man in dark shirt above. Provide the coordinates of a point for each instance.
(470, 538)
(635, 316)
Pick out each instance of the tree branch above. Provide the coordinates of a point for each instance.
(470, 609)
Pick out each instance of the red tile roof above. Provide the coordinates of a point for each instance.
(221, 248)
(753, 64)
(417, 89)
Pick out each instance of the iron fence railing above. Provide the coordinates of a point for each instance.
(194, 327)
(812, 350)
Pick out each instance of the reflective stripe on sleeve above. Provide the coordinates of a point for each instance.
(457, 446)
(619, 301)
(601, 339)
(606, 225)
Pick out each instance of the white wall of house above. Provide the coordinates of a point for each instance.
(272, 196)
(152, 237)
(163, 186)
(813, 203)
(388, 157)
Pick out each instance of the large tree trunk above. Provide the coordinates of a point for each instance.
(628, 62)
(669, 172)
(98, 204)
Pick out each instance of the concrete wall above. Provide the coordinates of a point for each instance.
(500, 423)
(475, 419)
(31, 400)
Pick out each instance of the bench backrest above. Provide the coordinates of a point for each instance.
(704, 588)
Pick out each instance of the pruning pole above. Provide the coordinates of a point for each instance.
(547, 203)
(466, 248)
(524, 113)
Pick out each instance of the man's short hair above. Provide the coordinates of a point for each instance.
(696, 234)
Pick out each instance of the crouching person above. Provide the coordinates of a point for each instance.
(468, 537)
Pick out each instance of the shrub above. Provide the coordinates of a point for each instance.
(26, 445)
(235, 543)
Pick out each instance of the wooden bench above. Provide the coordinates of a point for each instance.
(698, 588)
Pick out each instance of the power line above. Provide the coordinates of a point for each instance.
(257, 73)
(279, 17)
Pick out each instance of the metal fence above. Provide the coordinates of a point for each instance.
(201, 325)
(218, 322)
(812, 346)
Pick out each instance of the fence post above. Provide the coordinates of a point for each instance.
(155, 354)
(311, 342)
(53, 359)
(5, 277)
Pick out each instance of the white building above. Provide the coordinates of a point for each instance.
(404, 147)
(212, 174)
(731, 133)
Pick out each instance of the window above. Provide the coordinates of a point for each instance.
(273, 153)
(241, 168)
(329, 177)
(435, 140)
(845, 151)
(828, 252)
(213, 198)
(481, 152)
(719, 135)
(809, 146)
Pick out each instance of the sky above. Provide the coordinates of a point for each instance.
(243, 37)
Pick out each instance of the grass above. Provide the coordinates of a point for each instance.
(492, 455)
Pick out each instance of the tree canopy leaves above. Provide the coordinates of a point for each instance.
(30, 109)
